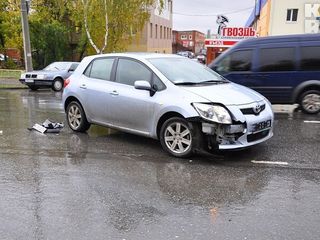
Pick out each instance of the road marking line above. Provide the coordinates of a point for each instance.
(269, 162)
(306, 121)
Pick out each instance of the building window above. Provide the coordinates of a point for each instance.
(160, 32)
(164, 32)
(190, 37)
(168, 33)
(183, 37)
(151, 30)
(292, 15)
(156, 30)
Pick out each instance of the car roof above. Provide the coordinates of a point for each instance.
(137, 55)
(279, 39)
(64, 62)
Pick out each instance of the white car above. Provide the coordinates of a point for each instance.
(183, 103)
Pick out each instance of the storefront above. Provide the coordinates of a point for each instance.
(227, 38)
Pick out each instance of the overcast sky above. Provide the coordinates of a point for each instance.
(237, 11)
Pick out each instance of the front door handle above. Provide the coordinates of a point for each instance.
(114, 93)
(83, 86)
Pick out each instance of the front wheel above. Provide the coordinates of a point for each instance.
(178, 137)
(76, 117)
(310, 102)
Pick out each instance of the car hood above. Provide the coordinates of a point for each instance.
(225, 93)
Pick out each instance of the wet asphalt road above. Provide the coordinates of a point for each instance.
(111, 185)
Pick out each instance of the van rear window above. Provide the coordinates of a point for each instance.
(310, 58)
(277, 59)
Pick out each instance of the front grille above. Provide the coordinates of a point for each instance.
(250, 111)
(257, 136)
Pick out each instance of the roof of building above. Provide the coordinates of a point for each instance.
(255, 12)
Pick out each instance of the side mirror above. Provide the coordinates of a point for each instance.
(144, 85)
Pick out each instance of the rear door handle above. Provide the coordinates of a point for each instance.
(83, 86)
(114, 93)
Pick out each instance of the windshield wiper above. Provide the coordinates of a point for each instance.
(214, 81)
(186, 83)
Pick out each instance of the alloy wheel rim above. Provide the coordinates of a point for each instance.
(74, 117)
(311, 102)
(178, 137)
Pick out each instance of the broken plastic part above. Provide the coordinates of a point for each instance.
(39, 128)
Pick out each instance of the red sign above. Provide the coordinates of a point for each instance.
(219, 42)
(238, 32)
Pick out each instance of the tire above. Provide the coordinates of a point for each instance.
(179, 137)
(57, 85)
(76, 117)
(310, 102)
(33, 88)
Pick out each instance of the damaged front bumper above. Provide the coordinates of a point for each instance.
(245, 131)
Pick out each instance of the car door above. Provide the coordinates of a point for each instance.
(275, 72)
(131, 108)
(95, 84)
(269, 70)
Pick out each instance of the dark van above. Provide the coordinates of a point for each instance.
(285, 69)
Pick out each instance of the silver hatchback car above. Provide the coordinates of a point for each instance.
(183, 103)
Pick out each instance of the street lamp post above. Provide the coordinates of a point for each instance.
(26, 36)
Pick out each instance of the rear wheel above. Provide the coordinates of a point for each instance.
(179, 137)
(310, 102)
(76, 117)
(57, 84)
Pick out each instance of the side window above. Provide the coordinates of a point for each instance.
(310, 58)
(73, 67)
(241, 61)
(157, 83)
(129, 71)
(277, 59)
(100, 69)
(224, 65)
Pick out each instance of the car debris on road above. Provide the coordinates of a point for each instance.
(47, 127)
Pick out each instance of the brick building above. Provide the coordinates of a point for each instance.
(188, 41)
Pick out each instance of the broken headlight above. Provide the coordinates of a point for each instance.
(214, 113)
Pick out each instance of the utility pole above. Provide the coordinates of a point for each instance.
(26, 36)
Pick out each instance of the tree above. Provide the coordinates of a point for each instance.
(49, 42)
(109, 24)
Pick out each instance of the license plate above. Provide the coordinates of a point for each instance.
(261, 125)
(29, 80)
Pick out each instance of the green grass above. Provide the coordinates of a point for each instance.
(12, 86)
(6, 73)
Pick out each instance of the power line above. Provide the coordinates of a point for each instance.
(213, 15)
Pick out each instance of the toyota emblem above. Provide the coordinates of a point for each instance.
(257, 109)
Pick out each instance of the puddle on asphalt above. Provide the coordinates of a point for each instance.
(99, 131)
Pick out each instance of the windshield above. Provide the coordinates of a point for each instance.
(57, 66)
(184, 70)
